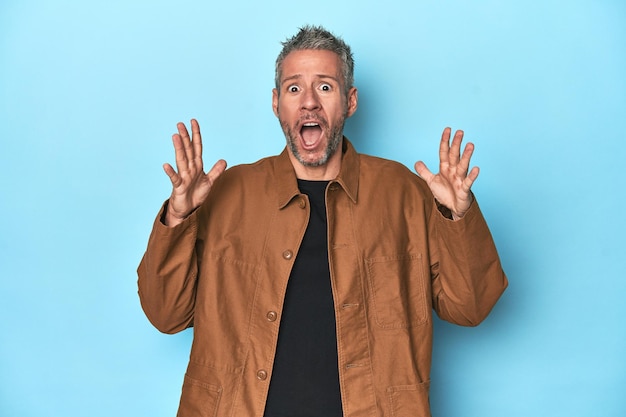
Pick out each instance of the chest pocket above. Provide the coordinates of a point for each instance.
(398, 288)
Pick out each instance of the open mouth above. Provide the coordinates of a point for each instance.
(311, 132)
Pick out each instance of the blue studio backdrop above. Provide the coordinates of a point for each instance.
(90, 93)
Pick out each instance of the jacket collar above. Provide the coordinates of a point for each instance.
(348, 178)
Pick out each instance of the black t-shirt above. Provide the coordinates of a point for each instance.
(305, 379)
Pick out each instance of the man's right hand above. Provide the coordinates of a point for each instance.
(190, 185)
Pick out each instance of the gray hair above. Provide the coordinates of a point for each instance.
(318, 38)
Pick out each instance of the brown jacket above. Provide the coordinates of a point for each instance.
(393, 259)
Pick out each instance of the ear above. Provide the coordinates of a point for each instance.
(275, 101)
(353, 100)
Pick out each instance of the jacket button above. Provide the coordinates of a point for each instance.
(301, 203)
(271, 316)
(261, 375)
(287, 254)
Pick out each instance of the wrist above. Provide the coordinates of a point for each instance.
(457, 215)
(169, 218)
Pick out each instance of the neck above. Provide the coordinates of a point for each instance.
(329, 171)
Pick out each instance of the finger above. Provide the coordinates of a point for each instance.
(182, 164)
(196, 139)
(174, 177)
(186, 141)
(471, 177)
(444, 146)
(423, 171)
(455, 149)
(464, 163)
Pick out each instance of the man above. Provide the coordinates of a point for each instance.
(310, 277)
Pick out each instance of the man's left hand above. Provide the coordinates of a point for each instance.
(451, 186)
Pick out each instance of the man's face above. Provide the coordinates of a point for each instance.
(312, 106)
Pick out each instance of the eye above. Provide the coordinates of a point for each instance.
(325, 87)
(293, 88)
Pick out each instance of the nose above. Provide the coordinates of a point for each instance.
(310, 100)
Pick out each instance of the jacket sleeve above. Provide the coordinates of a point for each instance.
(168, 274)
(467, 277)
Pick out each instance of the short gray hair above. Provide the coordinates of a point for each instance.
(318, 38)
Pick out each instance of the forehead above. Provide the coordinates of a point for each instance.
(311, 62)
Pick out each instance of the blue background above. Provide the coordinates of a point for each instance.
(90, 93)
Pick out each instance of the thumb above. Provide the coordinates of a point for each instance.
(423, 171)
(217, 170)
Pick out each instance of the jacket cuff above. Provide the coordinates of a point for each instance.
(447, 213)
(162, 230)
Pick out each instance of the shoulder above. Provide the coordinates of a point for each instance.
(374, 162)
(391, 173)
(247, 175)
(243, 184)
(389, 187)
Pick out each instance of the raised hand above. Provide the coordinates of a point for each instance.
(451, 186)
(190, 185)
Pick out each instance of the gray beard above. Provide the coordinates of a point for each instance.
(335, 137)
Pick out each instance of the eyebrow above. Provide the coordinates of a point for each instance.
(298, 76)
